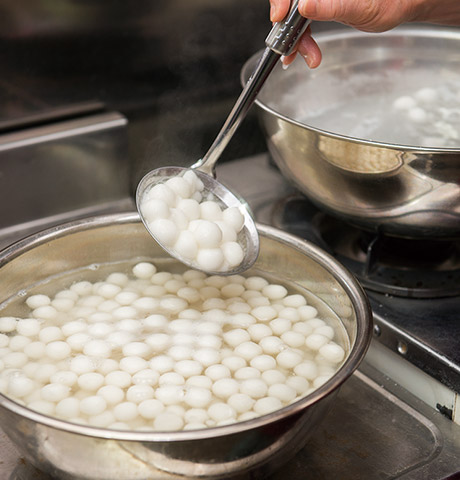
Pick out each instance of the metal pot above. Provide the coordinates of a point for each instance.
(383, 181)
(71, 451)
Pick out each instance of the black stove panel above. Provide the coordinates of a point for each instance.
(396, 266)
(416, 304)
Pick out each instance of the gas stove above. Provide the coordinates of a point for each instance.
(415, 305)
(399, 267)
(397, 416)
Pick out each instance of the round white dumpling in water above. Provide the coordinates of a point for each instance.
(417, 115)
(332, 352)
(8, 324)
(426, 95)
(404, 102)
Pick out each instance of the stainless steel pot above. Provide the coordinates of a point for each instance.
(70, 451)
(396, 186)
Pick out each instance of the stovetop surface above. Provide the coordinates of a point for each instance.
(376, 429)
(426, 331)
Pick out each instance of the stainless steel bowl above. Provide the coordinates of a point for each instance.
(321, 129)
(70, 451)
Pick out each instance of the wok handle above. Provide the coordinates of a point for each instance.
(284, 35)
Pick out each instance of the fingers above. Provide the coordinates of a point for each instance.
(309, 50)
(366, 15)
(306, 46)
(287, 60)
(279, 9)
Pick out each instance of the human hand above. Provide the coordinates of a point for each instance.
(365, 15)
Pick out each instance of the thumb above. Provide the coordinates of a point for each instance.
(371, 16)
(320, 9)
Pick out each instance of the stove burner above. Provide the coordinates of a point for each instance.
(389, 265)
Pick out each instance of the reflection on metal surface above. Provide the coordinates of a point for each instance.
(410, 190)
(175, 89)
(375, 430)
(371, 413)
(429, 327)
(61, 166)
(57, 446)
(404, 267)
(360, 160)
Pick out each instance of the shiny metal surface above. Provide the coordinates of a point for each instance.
(417, 192)
(281, 40)
(283, 37)
(254, 83)
(58, 447)
(428, 327)
(248, 237)
(375, 430)
(175, 89)
(63, 54)
(379, 431)
(71, 164)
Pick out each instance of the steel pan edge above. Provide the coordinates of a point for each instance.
(249, 449)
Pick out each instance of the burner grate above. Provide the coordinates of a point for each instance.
(389, 265)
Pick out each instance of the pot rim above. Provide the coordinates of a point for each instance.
(346, 280)
(340, 33)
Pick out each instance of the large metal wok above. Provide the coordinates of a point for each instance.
(336, 132)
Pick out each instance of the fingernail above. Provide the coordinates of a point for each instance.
(285, 66)
(308, 60)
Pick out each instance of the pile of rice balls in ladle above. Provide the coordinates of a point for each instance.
(192, 225)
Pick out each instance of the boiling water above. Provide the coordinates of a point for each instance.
(370, 106)
(144, 346)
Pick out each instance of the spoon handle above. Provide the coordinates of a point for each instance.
(280, 41)
(284, 35)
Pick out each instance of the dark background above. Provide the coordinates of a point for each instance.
(170, 66)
